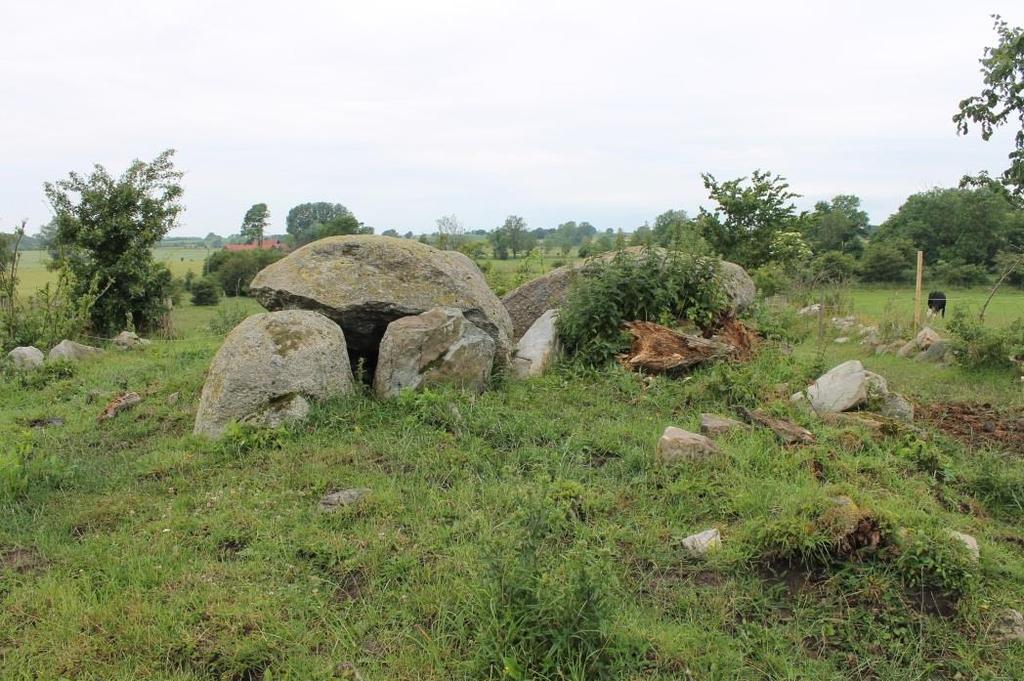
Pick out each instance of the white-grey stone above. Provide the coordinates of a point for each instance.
(939, 351)
(127, 340)
(26, 357)
(702, 543)
(842, 340)
(678, 444)
(877, 385)
(968, 541)
(345, 497)
(269, 366)
(843, 387)
(438, 346)
(810, 310)
(70, 350)
(537, 348)
(1009, 626)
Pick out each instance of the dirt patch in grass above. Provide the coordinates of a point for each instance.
(22, 561)
(977, 424)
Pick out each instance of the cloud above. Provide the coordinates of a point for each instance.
(405, 111)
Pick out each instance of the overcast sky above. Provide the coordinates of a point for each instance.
(404, 111)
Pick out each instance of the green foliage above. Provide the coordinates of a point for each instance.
(960, 274)
(1001, 98)
(545, 614)
(227, 317)
(304, 219)
(749, 214)
(106, 228)
(255, 222)
(780, 323)
(932, 559)
(22, 469)
(889, 260)
(206, 291)
(965, 226)
(998, 483)
(977, 346)
(235, 270)
(651, 286)
(772, 279)
(511, 237)
(53, 313)
(838, 225)
(833, 267)
(50, 372)
(340, 225)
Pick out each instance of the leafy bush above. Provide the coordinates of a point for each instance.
(227, 317)
(977, 346)
(934, 560)
(890, 260)
(833, 267)
(235, 270)
(206, 291)
(653, 285)
(772, 279)
(960, 273)
(50, 315)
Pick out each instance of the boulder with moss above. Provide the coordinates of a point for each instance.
(365, 282)
(268, 369)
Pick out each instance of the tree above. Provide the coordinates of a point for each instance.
(837, 225)
(206, 291)
(255, 223)
(887, 260)
(213, 240)
(750, 212)
(1001, 98)
(107, 227)
(449, 233)
(514, 235)
(391, 233)
(959, 226)
(346, 223)
(670, 227)
(303, 219)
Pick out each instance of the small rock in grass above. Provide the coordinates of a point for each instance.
(1009, 626)
(713, 424)
(842, 340)
(345, 497)
(676, 444)
(702, 543)
(968, 541)
(127, 340)
(26, 357)
(895, 406)
(172, 399)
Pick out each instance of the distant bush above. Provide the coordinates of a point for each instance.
(889, 261)
(206, 291)
(652, 286)
(977, 346)
(227, 317)
(833, 267)
(960, 274)
(235, 270)
(772, 279)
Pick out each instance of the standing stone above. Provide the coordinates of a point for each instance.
(537, 348)
(713, 424)
(268, 368)
(70, 350)
(677, 444)
(438, 346)
(26, 357)
(365, 282)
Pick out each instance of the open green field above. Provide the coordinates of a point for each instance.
(524, 533)
(33, 274)
(878, 303)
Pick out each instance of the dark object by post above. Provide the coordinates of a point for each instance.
(937, 303)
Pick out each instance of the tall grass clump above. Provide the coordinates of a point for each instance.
(654, 285)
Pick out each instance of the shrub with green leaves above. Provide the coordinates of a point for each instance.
(235, 270)
(654, 285)
(206, 291)
(977, 346)
(932, 559)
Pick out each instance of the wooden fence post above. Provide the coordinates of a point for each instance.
(917, 290)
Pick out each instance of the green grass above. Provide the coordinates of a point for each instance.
(33, 274)
(877, 302)
(522, 532)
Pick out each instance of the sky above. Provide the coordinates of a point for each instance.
(555, 111)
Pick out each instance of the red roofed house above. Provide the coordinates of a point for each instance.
(268, 245)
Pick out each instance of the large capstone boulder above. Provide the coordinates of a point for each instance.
(366, 282)
(537, 348)
(26, 357)
(438, 346)
(528, 302)
(268, 369)
(72, 351)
